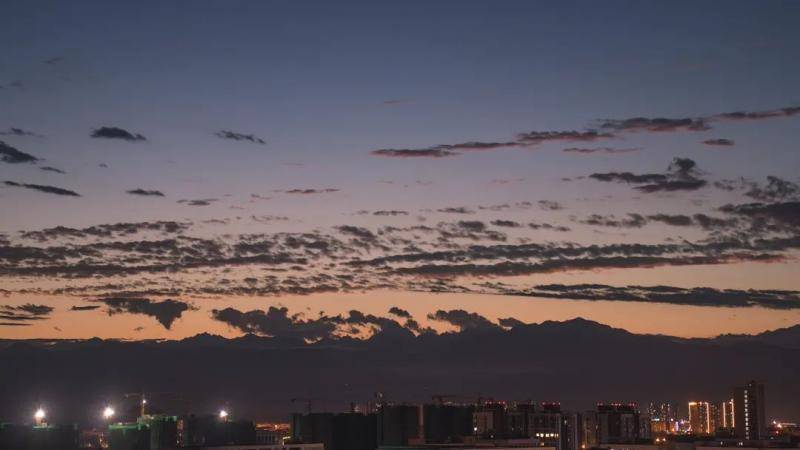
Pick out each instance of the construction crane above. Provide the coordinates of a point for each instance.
(143, 399)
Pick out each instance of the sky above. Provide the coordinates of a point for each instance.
(169, 169)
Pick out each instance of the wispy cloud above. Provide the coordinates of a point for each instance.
(232, 135)
(117, 133)
(11, 155)
(43, 188)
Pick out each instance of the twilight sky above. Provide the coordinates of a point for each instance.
(172, 169)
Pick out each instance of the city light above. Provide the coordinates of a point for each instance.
(223, 414)
(108, 412)
(39, 415)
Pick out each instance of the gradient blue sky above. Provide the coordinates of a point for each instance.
(326, 83)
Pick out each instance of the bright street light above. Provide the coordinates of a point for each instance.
(39, 416)
(108, 412)
(223, 414)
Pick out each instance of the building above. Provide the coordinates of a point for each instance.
(210, 430)
(163, 431)
(490, 420)
(496, 444)
(519, 419)
(749, 421)
(40, 437)
(447, 423)
(662, 417)
(346, 431)
(725, 418)
(128, 436)
(266, 447)
(572, 431)
(617, 423)
(700, 415)
(313, 427)
(272, 433)
(399, 425)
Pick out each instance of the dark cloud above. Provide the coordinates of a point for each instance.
(85, 308)
(522, 140)
(538, 137)
(227, 134)
(505, 206)
(783, 216)
(574, 264)
(659, 124)
(413, 153)
(676, 220)
(506, 223)
(548, 226)
(474, 230)
(52, 169)
(165, 312)
(456, 210)
(692, 123)
(510, 322)
(632, 221)
(463, 320)
(276, 322)
(549, 205)
(310, 191)
(720, 142)
(19, 132)
(117, 133)
(358, 232)
(700, 296)
(145, 192)
(399, 312)
(682, 175)
(601, 150)
(199, 201)
(11, 155)
(24, 313)
(758, 115)
(43, 188)
(106, 230)
(390, 213)
(776, 189)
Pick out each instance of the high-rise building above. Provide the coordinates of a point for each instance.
(571, 431)
(345, 431)
(445, 423)
(617, 423)
(399, 424)
(662, 417)
(545, 424)
(725, 411)
(700, 417)
(489, 420)
(748, 411)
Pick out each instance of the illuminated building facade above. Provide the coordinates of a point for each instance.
(725, 415)
(662, 417)
(748, 410)
(700, 417)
